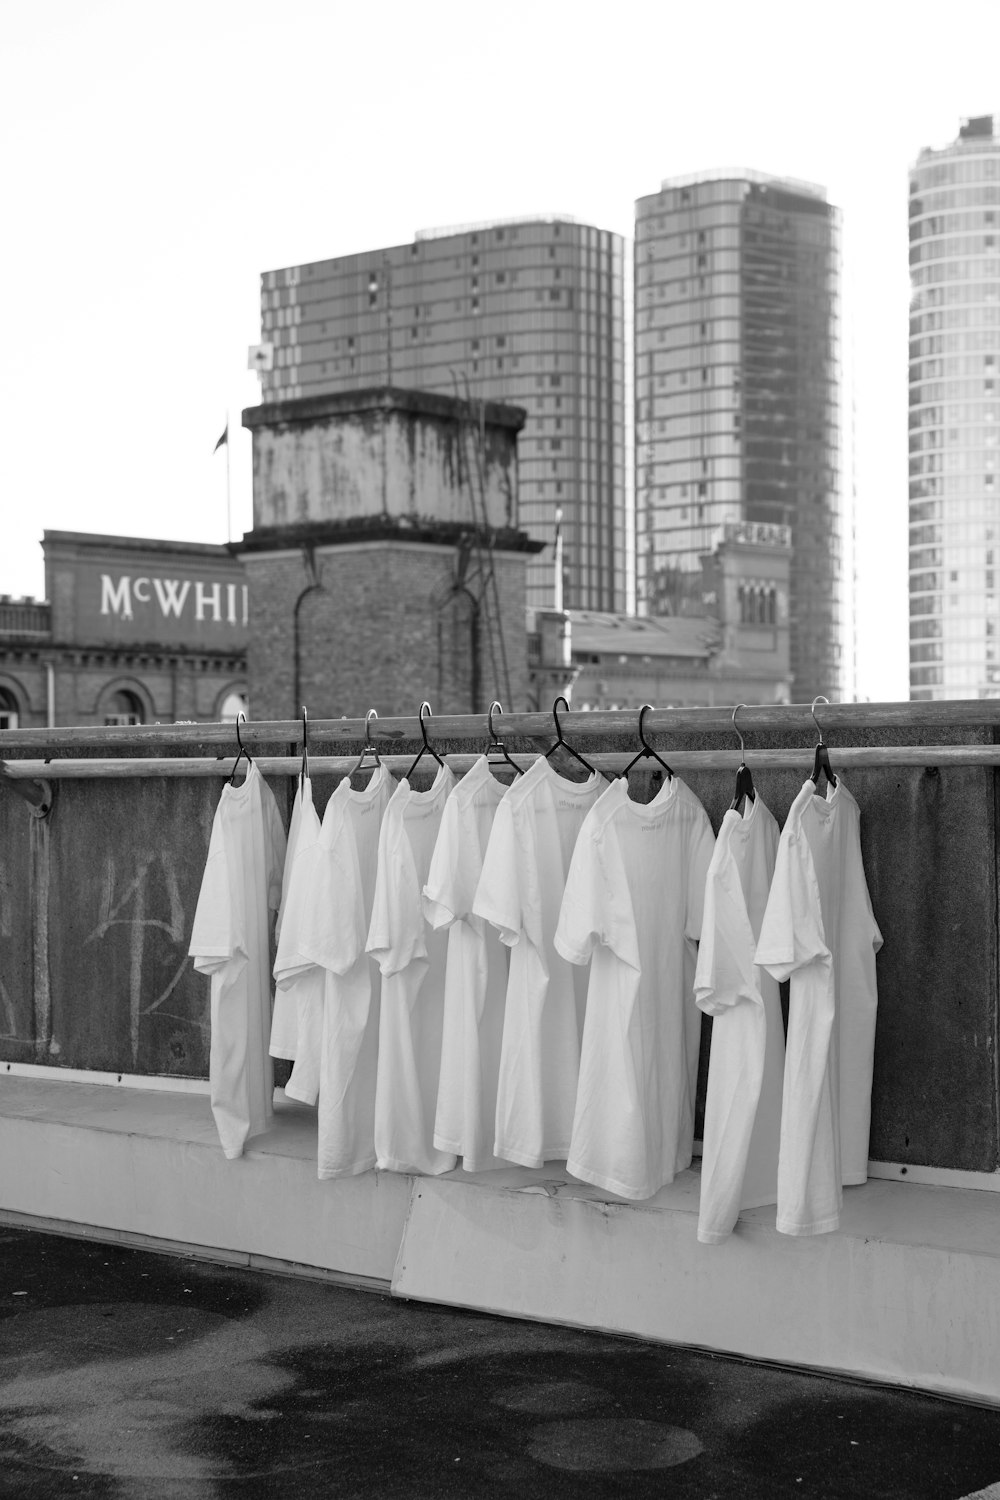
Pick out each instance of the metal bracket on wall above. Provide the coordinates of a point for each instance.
(38, 794)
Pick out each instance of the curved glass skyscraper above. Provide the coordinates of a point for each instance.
(955, 417)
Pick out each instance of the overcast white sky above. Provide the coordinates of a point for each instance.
(157, 158)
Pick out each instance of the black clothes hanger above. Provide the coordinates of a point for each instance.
(562, 744)
(369, 748)
(821, 761)
(243, 752)
(303, 774)
(426, 748)
(496, 745)
(744, 780)
(647, 752)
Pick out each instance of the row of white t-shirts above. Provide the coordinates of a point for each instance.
(488, 904)
(502, 974)
(787, 1123)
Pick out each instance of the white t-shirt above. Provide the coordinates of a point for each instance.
(230, 940)
(411, 956)
(475, 983)
(291, 980)
(739, 1164)
(633, 907)
(520, 893)
(330, 905)
(819, 930)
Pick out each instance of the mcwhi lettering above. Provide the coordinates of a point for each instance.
(175, 598)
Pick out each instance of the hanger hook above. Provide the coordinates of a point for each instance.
(371, 714)
(737, 732)
(495, 704)
(555, 717)
(818, 699)
(423, 726)
(239, 738)
(642, 738)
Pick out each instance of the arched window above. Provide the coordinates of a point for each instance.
(771, 608)
(232, 704)
(9, 715)
(122, 707)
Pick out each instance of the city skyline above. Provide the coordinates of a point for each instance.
(144, 216)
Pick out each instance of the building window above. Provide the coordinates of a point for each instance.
(9, 716)
(501, 277)
(233, 704)
(122, 707)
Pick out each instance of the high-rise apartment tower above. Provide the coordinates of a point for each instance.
(737, 383)
(955, 417)
(527, 311)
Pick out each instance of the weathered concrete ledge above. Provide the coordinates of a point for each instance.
(908, 1291)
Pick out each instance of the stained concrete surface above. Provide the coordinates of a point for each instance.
(126, 1374)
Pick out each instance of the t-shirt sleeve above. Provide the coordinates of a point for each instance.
(322, 924)
(498, 898)
(396, 933)
(791, 934)
(724, 973)
(450, 888)
(700, 850)
(581, 925)
(213, 933)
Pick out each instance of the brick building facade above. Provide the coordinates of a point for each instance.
(385, 564)
(133, 630)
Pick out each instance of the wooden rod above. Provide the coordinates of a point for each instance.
(846, 758)
(793, 719)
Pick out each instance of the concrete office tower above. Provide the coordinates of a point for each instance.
(528, 312)
(955, 417)
(737, 394)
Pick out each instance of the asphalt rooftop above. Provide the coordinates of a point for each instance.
(125, 1373)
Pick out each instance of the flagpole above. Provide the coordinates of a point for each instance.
(229, 505)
